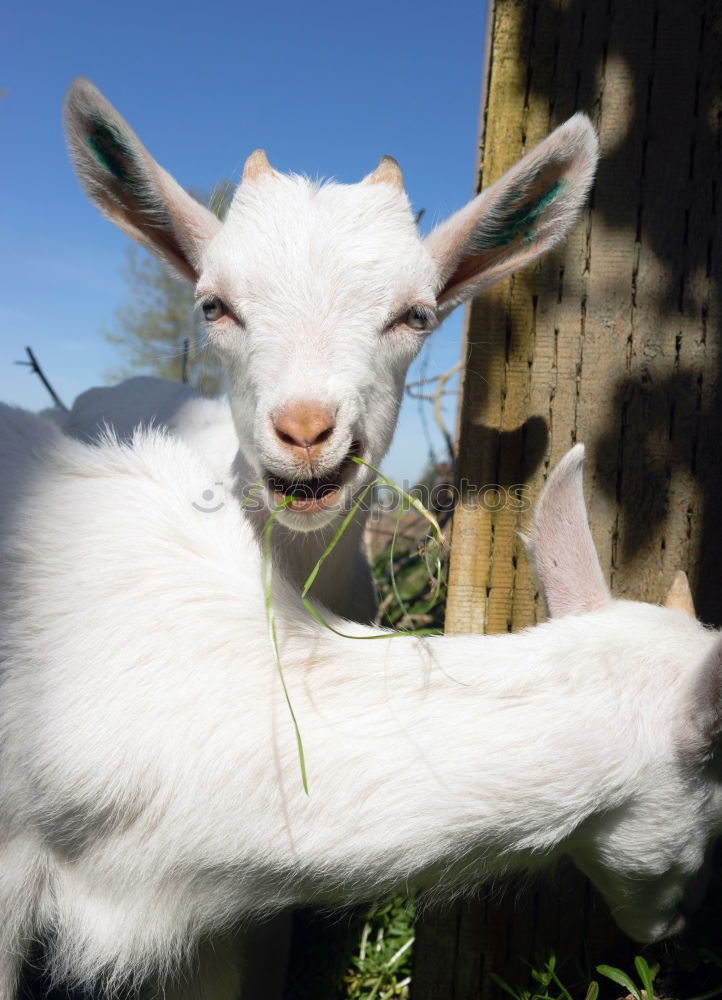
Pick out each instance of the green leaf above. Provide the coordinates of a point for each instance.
(617, 976)
(505, 986)
(564, 991)
(645, 974)
(592, 991)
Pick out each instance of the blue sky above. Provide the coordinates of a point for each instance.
(325, 87)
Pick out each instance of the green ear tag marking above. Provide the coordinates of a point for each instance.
(521, 221)
(109, 149)
(115, 155)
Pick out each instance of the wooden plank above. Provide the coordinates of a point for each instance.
(613, 340)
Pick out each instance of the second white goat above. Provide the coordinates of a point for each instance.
(150, 795)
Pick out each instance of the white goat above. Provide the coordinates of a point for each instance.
(317, 298)
(150, 795)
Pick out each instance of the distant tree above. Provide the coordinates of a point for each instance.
(157, 330)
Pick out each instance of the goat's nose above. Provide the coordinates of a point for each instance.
(304, 425)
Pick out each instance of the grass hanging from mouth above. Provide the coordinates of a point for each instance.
(392, 573)
(271, 619)
(252, 492)
(408, 502)
(337, 537)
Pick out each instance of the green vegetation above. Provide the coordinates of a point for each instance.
(548, 985)
(380, 967)
(360, 954)
(646, 976)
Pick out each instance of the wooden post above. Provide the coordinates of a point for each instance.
(614, 341)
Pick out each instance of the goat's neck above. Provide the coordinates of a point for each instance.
(343, 582)
(469, 769)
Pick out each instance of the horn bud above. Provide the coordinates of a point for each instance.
(679, 596)
(256, 166)
(387, 172)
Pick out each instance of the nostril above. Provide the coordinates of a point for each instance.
(286, 438)
(323, 435)
(305, 425)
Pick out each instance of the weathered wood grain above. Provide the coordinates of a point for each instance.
(613, 340)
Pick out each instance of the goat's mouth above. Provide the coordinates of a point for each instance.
(315, 494)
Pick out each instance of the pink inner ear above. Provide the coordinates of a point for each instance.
(488, 266)
(175, 227)
(508, 235)
(565, 560)
(521, 216)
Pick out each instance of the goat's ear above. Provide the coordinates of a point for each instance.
(517, 219)
(129, 187)
(561, 546)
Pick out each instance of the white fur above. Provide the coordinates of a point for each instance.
(317, 279)
(150, 794)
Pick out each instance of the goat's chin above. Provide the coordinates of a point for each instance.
(653, 927)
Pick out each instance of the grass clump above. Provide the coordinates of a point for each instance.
(380, 966)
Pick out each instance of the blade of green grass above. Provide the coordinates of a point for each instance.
(645, 975)
(503, 985)
(617, 976)
(392, 574)
(413, 501)
(271, 619)
(408, 501)
(252, 492)
(411, 634)
(334, 541)
(564, 991)
(397, 955)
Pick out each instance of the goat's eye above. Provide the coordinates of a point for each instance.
(417, 317)
(214, 309)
